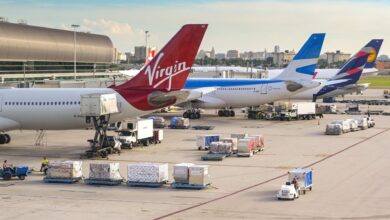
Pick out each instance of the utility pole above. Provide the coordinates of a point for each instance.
(146, 45)
(74, 26)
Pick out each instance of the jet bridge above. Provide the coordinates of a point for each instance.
(98, 108)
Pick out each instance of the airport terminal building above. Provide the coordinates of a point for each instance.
(39, 52)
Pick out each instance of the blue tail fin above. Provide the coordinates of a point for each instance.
(375, 44)
(305, 61)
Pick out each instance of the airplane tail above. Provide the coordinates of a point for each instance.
(375, 45)
(353, 68)
(169, 69)
(150, 56)
(303, 66)
(158, 83)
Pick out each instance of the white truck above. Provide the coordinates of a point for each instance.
(298, 111)
(135, 132)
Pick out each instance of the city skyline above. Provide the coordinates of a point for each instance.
(245, 25)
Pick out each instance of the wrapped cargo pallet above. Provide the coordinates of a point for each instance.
(158, 135)
(158, 121)
(203, 141)
(181, 172)
(199, 175)
(147, 172)
(220, 148)
(179, 122)
(333, 129)
(64, 170)
(245, 147)
(233, 141)
(104, 171)
(258, 142)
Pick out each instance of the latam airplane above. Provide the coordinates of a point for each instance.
(322, 74)
(344, 82)
(236, 93)
(159, 84)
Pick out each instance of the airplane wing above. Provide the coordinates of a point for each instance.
(180, 96)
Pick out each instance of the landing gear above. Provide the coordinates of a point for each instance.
(226, 113)
(192, 114)
(5, 138)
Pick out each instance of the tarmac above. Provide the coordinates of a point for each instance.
(351, 174)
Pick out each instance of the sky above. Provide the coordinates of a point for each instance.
(245, 25)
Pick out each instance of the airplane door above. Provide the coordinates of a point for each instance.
(264, 88)
(1, 103)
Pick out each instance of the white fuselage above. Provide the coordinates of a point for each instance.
(244, 95)
(52, 109)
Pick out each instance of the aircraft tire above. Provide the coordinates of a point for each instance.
(3, 139)
(227, 113)
(220, 113)
(197, 115)
(185, 115)
(232, 113)
(8, 137)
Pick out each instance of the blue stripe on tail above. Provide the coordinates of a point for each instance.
(312, 48)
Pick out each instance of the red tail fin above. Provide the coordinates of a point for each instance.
(170, 68)
(150, 56)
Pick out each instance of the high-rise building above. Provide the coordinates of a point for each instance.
(220, 56)
(139, 53)
(232, 54)
(277, 49)
(338, 56)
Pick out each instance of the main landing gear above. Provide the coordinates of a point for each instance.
(226, 113)
(5, 138)
(192, 114)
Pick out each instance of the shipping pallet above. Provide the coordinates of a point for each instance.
(214, 157)
(178, 127)
(61, 180)
(106, 182)
(200, 127)
(244, 154)
(189, 186)
(146, 184)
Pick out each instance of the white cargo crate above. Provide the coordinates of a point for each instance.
(64, 170)
(97, 104)
(147, 172)
(181, 172)
(104, 171)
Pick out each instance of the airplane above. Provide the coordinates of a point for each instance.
(272, 73)
(345, 81)
(159, 84)
(330, 73)
(236, 93)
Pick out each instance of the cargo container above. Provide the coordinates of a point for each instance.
(345, 126)
(179, 123)
(147, 173)
(97, 104)
(181, 172)
(233, 141)
(158, 135)
(362, 123)
(353, 124)
(104, 171)
(199, 175)
(221, 148)
(64, 170)
(334, 129)
(245, 147)
(203, 141)
(158, 121)
(258, 143)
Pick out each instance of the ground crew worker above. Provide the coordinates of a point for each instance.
(45, 163)
(6, 167)
(295, 182)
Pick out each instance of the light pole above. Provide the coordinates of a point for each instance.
(146, 45)
(74, 26)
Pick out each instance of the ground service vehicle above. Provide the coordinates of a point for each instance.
(134, 132)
